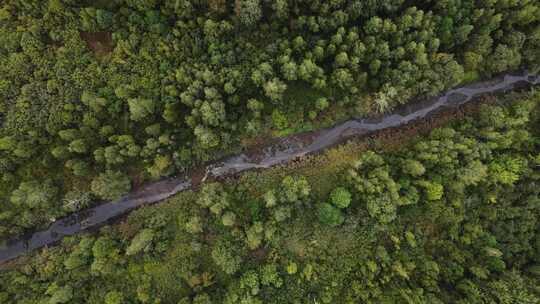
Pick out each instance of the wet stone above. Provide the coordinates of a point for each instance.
(456, 98)
(522, 85)
(485, 84)
(372, 120)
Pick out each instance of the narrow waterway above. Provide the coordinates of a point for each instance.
(286, 149)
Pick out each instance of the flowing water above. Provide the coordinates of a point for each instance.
(286, 149)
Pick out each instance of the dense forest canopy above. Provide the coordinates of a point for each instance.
(451, 217)
(98, 95)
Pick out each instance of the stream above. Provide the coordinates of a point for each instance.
(284, 150)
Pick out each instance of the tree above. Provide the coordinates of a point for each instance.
(282, 213)
(343, 79)
(413, 167)
(507, 169)
(321, 103)
(34, 194)
(270, 199)
(254, 235)
(140, 242)
(279, 120)
(106, 256)
(76, 200)
(340, 197)
(111, 185)
(270, 276)
(78, 146)
(255, 106)
(376, 187)
(81, 255)
(228, 219)
(7, 143)
(329, 215)
(281, 8)
(249, 11)
(194, 225)
(140, 108)
(214, 197)
(434, 191)
(504, 58)
(295, 188)
(249, 282)
(30, 43)
(342, 59)
(202, 298)
(162, 166)
(472, 61)
(206, 137)
(288, 69)
(96, 104)
(212, 113)
(59, 294)
(274, 89)
(114, 297)
(226, 256)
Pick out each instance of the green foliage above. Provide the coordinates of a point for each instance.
(507, 169)
(434, 191)
(432, 221)
(140, 242)
(376, 187)
(194, 225)
(157, 86)
(340, 197)
(274, 89)
(59, 294)
(227, 257)
(106, 256)
(114, 297)
(279, 120)
(34, 194)
(228, 219)
(202, 298)
(330, 215)
(413, 167)
(140, 108)
(152, 87)
(295, 188)
(213, 196)
(81, 255)
(254, 235)
(249, 11)
(270, 276)
(111, 185)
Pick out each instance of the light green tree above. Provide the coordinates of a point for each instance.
(340, 197)
(140, 108)
(111, 185)
(140, 242)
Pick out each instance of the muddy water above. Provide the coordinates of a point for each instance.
(285, 150)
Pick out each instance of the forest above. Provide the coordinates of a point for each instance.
(451, 216)
(98, 97)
